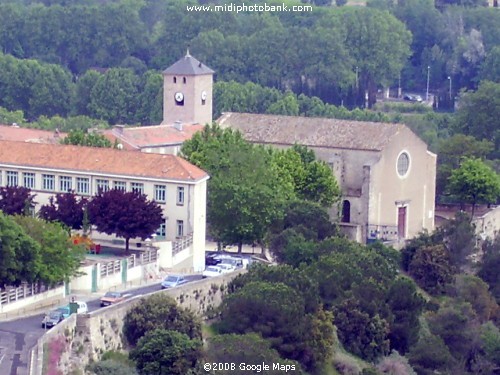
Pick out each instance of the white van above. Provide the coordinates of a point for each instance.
(82, 307)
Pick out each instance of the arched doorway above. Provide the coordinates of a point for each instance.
(346, 211)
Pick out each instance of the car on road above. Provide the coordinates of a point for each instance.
(172, 281)
(82, 307)
(226, 268)
(52, 318)
(211, 271)
(64, 310)
(412, 98)
(236, 262)
(111, 298)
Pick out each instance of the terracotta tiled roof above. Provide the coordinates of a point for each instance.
(311, 131)
(189, 66)
(157, 135)
(99, 160)
(20, 134)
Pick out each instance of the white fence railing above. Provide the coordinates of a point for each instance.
(182, 244)
(24, 291)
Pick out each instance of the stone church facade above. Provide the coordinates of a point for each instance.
(386, 173)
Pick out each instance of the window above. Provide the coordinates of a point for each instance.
(403, 164)
(29, 180)
(180, 195)
(160, 193)
(82, 185)
(180, 228)
(65, 183)
(102, 185)
(162, 230)
(120, 185)
(48, 182)
(11, 178)
(137, 187)
(183, 79)
(175, 79)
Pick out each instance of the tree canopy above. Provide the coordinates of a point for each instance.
(125, 214)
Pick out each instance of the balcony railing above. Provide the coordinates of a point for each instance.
(382, 232)
(182, 243)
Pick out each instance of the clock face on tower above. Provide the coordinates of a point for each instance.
(179, 97)
(203, 95)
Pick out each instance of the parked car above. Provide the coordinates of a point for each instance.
(52, 318)
(236, 262)
(226, 268)
(64, 310)
(111, 298)
(212, 271)
(172, 281)
(412, 98)
(82, 307)
(211, 259)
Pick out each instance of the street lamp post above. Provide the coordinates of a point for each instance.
(428, 77)
(449, 78)
(356, 78)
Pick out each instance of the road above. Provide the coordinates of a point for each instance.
(18, 337)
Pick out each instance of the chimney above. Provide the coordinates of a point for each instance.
(178, 125)
(119, 128)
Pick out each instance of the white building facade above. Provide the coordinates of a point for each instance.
(179, 187)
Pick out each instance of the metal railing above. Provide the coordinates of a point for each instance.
(182, 243)
(24, 291)
(382, 232)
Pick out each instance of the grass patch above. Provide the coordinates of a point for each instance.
(208, 330)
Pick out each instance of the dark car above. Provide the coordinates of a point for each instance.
(211, 259)
(52, 318)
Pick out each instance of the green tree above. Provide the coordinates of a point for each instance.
(16, 200)
(479, 112)
(430, 354)
(161, 351)
(452, 150)
(406, 305)
(490, 264)
(475, 182)
(295, 278)
(19, 254)
(431, 268)
(114, 96)
(110, 367)
(379, 45)
(159, 312)
(81, 138)
(244, 197)
(360, 333)
(473, 290)
(490, 68)
(59, 258)
(248, 348)
(82, 94)
(277, 312)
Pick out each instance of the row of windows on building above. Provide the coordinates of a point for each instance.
(179, 229)
(82, 185)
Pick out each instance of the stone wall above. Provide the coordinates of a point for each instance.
(90, 335)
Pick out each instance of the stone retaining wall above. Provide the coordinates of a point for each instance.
(90, 335)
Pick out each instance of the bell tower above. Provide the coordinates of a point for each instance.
(187, 92)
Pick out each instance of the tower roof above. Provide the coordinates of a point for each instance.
(188, 66)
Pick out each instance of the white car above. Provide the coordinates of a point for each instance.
(82, 307)
(226, 268)
(212, 271)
